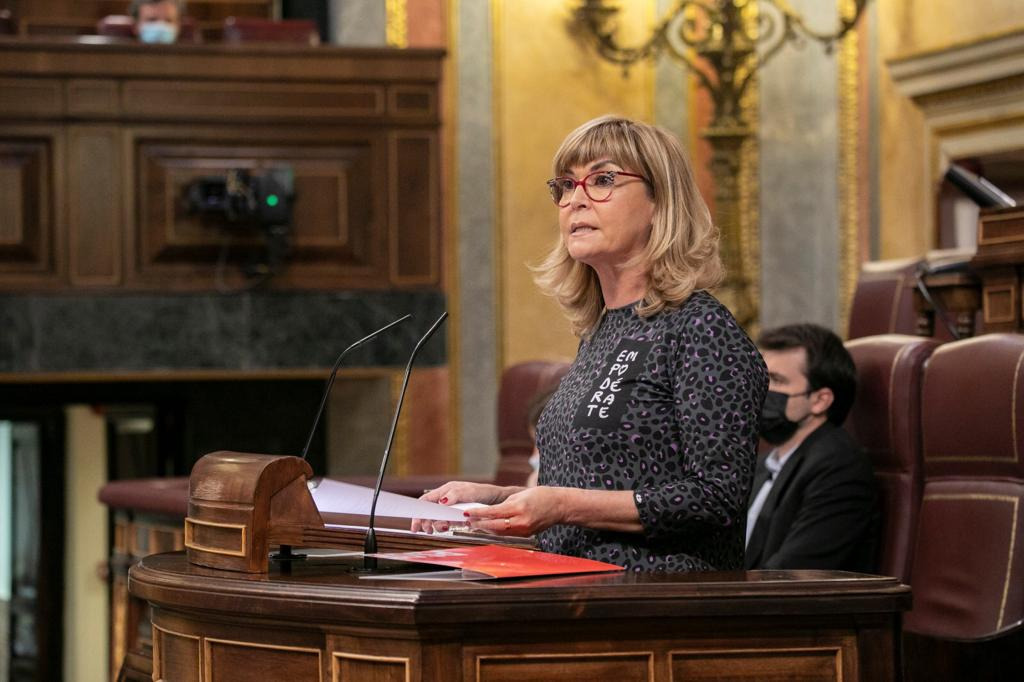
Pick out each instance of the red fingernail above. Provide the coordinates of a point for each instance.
(465, 513)
(444, 500)
(444, 528)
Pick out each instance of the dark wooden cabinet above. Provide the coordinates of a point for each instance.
(100, 142)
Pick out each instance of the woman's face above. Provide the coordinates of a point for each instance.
(607, 233)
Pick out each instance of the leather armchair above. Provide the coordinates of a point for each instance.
(883, 302)
(968, 568)
(968, 574)
(886, 421)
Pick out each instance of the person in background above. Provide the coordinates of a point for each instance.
(649, 444)
(813, 502)
(536, 408)
(157, 21)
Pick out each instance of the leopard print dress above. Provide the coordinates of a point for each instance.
(666, 406)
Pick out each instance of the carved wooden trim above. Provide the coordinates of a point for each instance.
(414, 208)
(190, 533)
(32, 199)
(993, 292)
(94, 205)
(208, 653)
(157, 653)
(404, 661)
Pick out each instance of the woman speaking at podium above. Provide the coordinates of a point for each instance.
(648, 445)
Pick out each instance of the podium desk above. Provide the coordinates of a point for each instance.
(320, 621)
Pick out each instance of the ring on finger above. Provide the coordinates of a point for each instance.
(508, 523)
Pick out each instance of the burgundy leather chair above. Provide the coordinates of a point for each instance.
(886, 421)
(968, 567)
(256, 30)
(520, 384)
(883, 302)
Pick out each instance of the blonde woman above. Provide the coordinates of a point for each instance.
(648, 446)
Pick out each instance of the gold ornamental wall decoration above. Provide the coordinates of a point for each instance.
(724, 43)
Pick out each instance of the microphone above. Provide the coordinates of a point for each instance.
(370, 544)
(334, 371)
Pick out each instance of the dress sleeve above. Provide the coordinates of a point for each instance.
(719, 381)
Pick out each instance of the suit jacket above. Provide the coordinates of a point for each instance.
(822, 509)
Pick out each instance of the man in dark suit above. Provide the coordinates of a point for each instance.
(813, 503)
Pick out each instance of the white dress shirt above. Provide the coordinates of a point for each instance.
(773, 463)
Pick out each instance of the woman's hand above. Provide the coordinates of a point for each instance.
(524, 513)
(455, 492)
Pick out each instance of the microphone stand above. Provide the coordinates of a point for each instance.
(334, 371)
(370, 544)
(284, 554)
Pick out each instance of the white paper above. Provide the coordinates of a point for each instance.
(345, 498)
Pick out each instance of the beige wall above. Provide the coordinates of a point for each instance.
(546, 85)
(907, 27)
(85, 596)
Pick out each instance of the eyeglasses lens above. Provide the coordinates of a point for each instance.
(597, 186)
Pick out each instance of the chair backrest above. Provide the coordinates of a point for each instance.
(256, 30)
(116, 26)
(883, 302)
(520, 384)
(968, 568)
(886, 420)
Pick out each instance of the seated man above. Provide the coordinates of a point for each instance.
(813, 500)
(157, 21)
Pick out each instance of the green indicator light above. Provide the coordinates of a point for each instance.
(272, 200)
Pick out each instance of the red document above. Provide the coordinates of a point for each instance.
(478, 562)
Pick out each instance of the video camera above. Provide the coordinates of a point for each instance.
(248, 201)
(245, 199)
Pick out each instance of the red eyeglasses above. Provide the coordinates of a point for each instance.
(597, 186)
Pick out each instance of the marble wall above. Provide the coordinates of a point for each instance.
(799, 186)
(245, 332)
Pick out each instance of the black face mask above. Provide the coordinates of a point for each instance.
(775, 428)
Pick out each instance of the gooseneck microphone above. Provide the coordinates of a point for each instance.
(370, 544)
(334, 371)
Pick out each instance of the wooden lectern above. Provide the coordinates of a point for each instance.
(240, 505)
(220, 612)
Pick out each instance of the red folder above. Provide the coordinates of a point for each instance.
(497, 561)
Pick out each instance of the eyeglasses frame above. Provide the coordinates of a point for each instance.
(582, 183)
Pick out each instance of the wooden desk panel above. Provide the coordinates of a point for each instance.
(98, 142)
(321, 622)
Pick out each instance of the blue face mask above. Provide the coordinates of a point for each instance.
(158, 32)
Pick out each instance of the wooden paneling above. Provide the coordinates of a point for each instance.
(176, 656)
(93, 97)
(414, 208)
(30, 197)
(30, 97)
(337, 234)
(94, 205)
(186, 100)
(622, 667)
(821, 664)
(234, 661)
(357, 668)
(359, 128)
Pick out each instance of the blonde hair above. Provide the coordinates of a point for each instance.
(681, 255)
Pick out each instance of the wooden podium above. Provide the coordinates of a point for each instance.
(321, 619)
